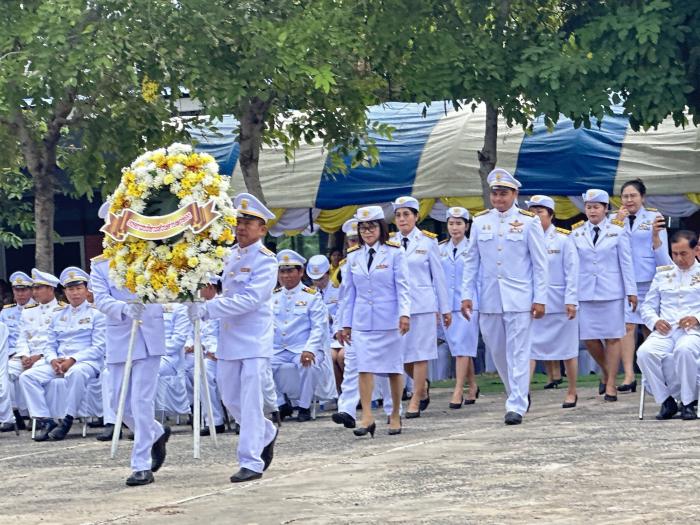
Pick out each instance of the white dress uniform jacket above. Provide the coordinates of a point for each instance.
(453, 265)
(375, 299)
(645, 258)
(563, 270)
(301, 320)
(10, 317)
(606, 270)
(508, 256)
(674, 294)
(78, 333)
(33, 328)
(111, 301)
(177, 329)
(245, 306)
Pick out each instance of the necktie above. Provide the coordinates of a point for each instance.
(371, 258)
(454, 252)
(404, 241)
(596, 229)
(632, 219)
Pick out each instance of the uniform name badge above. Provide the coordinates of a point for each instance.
(695, 279)
(421, 251)
(382, 266)
(244, 270)
(85, 320)
(516, 226)
(300, 303)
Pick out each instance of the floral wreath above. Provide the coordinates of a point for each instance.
(166, 190)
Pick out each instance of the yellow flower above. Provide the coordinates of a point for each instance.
(169, 179)
(220, 251)
(140, 279)
(192, 262)
(149, 90)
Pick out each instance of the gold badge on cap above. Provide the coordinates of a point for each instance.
(365, 213)
(244, 204)
(499, 177)
(285, 258)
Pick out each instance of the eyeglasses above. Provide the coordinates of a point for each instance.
(367, 227)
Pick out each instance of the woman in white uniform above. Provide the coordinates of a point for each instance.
(428, 296)
(606, 278)
(555, 336)
(463, 335)
(649, 250)
(376, 313)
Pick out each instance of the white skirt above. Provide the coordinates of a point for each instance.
(420, 343)
(601, 319)
(554, 338)
(463, 336)
(635, 317)
(378, 351)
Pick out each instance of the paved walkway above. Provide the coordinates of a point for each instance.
(596, 463)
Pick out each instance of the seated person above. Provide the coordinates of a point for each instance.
(669, 357)
(74, 349)
(177, 328)
(209, 341)
(10, 317)
(301, 330)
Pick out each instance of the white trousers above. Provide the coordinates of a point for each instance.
(6, 415)
(349, 388)
(139, 409)
(168, 366)
(507, 336)
(240, 382)
(14, 370)
(109, 414)
(210, 367)
(307, 376)
(670, 365)
(33, 381)
(269, 390)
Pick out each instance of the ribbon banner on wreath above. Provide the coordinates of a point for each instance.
(170, 225)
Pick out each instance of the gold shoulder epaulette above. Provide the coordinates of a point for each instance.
(526, 212)
(577, 224)
(652, 209)
(308, 289)
(267, 251)
(482, 212)
(664, 268)
(563, 230)
(393, 243)
(354, 248)
(98, 258)
(429, 234)
(444, 241)
(617, 223)
(277, 290)
(60, 307)
(34, 305)
(9, 305)
(341, 263)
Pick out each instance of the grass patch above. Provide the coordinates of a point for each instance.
(491, 383)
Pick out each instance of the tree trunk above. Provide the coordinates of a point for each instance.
(252, 122)
(44, 212)
(488, 154)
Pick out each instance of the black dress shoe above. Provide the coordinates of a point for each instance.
(61, 431)
(107, 433)
(285, 410)
(395, 431)
(513, 418)
(689, 411)
(19, 420)
(98, 423)
(669, 408)
(630, 387)
(140, 477)
(455, 406)
(206, 431)
(553, 384)
(610, 398)
(47, 425)
(570, 405)
(158, 451)
(245, 474)
(363, 431)
(303, 414)
(9, 427)
(472, 401)
(601, 389)
(268, 452)
(343, 418)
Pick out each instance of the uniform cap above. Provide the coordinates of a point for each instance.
(21, 280)
(290, 258)
(595, 195)
(318, 266)
(73, 275)
(369, 213)
(350, 228)
(215, 279)
(540, 200)
(500, 178)
(44, 279)
(247, 204)
(406, 202)
(457, 212)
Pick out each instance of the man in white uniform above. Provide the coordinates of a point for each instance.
(244, 311)
(74, 350)
(508, 255)
(669, 357)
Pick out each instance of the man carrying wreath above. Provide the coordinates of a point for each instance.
(244, 311)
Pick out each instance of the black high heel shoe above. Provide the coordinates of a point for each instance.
(553, 384)
(472, 401)
(455, 406)
(363, 431)
(425, 402)
(395, 431)
(570, 405)
(601, 389)
(630, 387)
